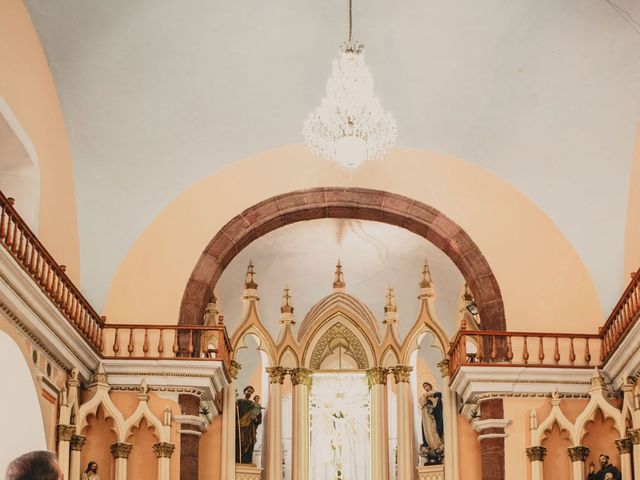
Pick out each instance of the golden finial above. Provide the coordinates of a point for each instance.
(338, 281)
(286, 307)
(249, 281)
(426, 276)
(391, 305)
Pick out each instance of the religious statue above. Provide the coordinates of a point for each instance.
(248, 417)
(607, 470)
(432, 448)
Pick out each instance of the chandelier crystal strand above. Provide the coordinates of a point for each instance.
(350, 125)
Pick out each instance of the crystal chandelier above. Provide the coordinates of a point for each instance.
(350, 126)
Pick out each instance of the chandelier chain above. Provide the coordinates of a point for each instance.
(350, 21)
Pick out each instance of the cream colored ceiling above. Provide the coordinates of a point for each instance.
(157, 95)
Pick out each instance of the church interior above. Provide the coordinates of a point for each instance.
(330, 240)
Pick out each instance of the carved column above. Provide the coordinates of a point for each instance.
(578, 455)
(450, 425)
(163, 451)
(228, 453)
(301, 380)
(536, 457)
(635, 439)
(377, 379)
(625, 448)
(405, 453)
(274, 423)
(76, 444)
(64, 433)
(120, 452)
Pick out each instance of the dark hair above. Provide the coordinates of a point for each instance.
(89, 466)
(247, 388)
(605, 456)
(38, 465)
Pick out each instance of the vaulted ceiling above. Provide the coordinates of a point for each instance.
(157, 95)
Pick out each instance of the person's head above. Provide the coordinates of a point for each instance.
(256, 399)
(608, 476)
(604, 460)
(427, 386)
(38, 465)
(248, 391)
(92, 467)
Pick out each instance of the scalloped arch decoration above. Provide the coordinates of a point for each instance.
(342, 334)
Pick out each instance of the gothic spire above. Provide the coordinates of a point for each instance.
(338, 281)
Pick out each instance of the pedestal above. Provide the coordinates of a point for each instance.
(247, 472)
(431, 472)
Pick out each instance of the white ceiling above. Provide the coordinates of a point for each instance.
(374, 256)
(157, 95)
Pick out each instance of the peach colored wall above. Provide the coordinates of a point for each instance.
(600, 438)
(209, 462)
(557, 464)
(27, 86)
(97, 448)
(469, 451)
(538, 270)
(632, 230)
(143, 463)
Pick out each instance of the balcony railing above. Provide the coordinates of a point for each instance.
(31, 255)
(622, 318)
(523, 349)
(162, 342)
(109, 340)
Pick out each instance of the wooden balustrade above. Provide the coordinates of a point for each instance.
(162, 342)
(521, 349)
(33, 257)
(622, 318)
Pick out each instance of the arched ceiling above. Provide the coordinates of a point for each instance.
(374, 256)
(157, 95)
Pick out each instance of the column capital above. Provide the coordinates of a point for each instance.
(77, 442)
(537, 453)
(233, 369)
(377, 376)
(579, 453)
(121, 449)
(65, 432)
(624, 445)
(401, 373)
(444, 367)
(163, 449)
(634, 434)
(300, 376)
(276, 374)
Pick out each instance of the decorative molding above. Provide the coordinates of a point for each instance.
(276, 374)
(121, 449)
(493, 424)
(536, 454)
(27, 306)
(377, 376)
(624, 445)
(444, 367)
(625, 359)
(634, 434)
(77, 442)
(471, 383)
(401, 373)
(578, 453)
(65, 432)
(247, 472)
(234, 369)
(163, 449)
(337, 332)
(431, 472)
(301, 376)
(193, 420)
(184, 376)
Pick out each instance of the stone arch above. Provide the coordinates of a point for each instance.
(340, 333)
(353, 203)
